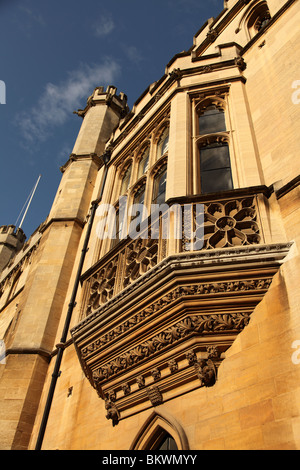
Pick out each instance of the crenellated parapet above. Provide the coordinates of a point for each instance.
(11, 241)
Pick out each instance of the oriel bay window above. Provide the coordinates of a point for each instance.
(213, 147)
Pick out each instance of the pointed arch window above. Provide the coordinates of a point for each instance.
(160, 432)
(167, 442)
(258, 18)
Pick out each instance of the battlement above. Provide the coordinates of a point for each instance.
(11, 241)
(11, 230)
(109, 98)
(101, 116)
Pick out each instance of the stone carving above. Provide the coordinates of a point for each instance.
(202, 324)
(156, 374)
(110, 406)
(227, 224)
(140, 381)
(191, 357)
(102, 286)
(173, 366)
(212, 35)
(240, 62)
(154, 395)
(141, 256)
(126, 388)
(112, 412)
(197, 289)
(230, 223)
(206, 372)
(213, 352)
(176, 74)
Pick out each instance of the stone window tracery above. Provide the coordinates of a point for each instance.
(255, 18)
(258, 18)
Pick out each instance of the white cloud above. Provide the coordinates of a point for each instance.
(104, 26)
(58, 102)
(32, 16)
(133, 54)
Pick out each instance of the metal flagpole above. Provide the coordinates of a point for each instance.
(32, 194)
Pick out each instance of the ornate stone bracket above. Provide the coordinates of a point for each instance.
(168, 332)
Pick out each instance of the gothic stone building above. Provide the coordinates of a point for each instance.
(156, 341)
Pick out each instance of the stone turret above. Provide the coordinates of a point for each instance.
(101, 116)
(11, 241)
(50, 273)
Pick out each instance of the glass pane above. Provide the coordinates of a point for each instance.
(144, 163)
(213, 157)
(117, 235)
(126, 180)
(160, 188)
(139, 196)
(163, 144)
(216, 180)
(167, 443)
(211, 121)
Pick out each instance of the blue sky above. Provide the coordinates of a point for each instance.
(53, 54)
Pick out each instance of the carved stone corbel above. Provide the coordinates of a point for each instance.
(206, 372)
(156, 374)
(176, 74)
(140, 381)
(112, 412)
(191, 357)
(212, 35)
(240, 62)
(154, 395)
(126, 388)
(173, 366)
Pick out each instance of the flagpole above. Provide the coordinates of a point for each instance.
(32, 194)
